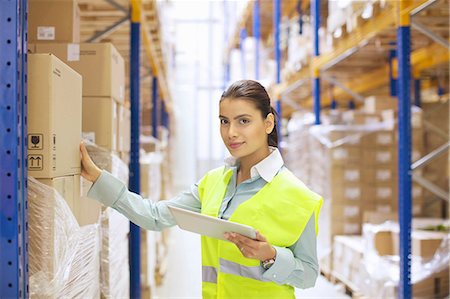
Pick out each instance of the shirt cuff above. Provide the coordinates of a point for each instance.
(284, 265)
(107, 189)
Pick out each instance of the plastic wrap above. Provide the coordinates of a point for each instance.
(108, 160)
(63, 258)
(151, 177)
(380, 274)
(114, 268)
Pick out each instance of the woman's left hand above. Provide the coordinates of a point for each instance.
(258, 249)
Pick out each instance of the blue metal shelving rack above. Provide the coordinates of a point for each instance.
(13, 152)
(134, 181)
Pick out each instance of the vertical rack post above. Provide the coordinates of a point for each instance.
(257, 35)
(13, 150)
(404, 150)
(315, 15)
(155, 106)
(135, 251)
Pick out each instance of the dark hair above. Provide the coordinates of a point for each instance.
(256, 93)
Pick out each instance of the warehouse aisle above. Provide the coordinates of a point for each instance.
(183, 278)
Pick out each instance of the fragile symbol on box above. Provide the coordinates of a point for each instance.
(35, 141)
(35, 162)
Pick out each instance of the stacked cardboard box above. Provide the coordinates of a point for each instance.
(52, 21)
(103, 72)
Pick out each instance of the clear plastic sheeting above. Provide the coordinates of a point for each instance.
(63, 258)
(108, 160)
(114, 273)
(379, 276)
(151, 176)
(333, 136)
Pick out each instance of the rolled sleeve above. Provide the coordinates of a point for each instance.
(284, 265)
(107, 189)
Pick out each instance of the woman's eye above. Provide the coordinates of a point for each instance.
(244, 121)
(223, 121)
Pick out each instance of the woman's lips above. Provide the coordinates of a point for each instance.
(235, 145)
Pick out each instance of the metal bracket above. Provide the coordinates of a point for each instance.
(421, 28)
(118, 6)
(430, 186)
(430, 157)
(332, 80)
(109, 30)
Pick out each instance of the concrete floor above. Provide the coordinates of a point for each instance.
(183, 277)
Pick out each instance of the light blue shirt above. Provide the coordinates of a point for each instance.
(296, 265)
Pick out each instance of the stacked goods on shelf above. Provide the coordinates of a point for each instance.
(353, 166)
(368, 264)
(436, 117)
(114, 267)
(52, 21)
(63, 257)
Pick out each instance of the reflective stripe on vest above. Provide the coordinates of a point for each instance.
(209, 274)
(240, 270)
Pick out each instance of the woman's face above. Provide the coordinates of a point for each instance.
(243, 129)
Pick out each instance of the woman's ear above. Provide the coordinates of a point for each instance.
(270, 123)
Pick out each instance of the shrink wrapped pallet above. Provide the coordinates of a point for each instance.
(63, 257)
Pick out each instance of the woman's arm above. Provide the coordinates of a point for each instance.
(297, 265)
(148, 214)
(113, 193)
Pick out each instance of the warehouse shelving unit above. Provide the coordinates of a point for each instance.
(421, 51)
(13, 155)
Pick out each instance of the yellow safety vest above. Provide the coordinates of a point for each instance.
(279, 211)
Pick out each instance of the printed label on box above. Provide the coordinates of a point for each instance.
(384, 192)
(45, 33)
(35, 141)
(340, 154)
(383, 157)
(384, 139)
(351, 175)
(35, 162)
(383, 175)
(73, 52)
(352, 193)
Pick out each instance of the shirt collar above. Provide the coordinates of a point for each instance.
(266, 168)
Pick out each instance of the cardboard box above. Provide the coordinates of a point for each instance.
(100, 117)
(54, 117)
(347, 192)
(350, 173)
(435, 286)
(386, 156)
(53, 21)
(100, 64)
(425, 243)
(342, 155)
(375, 104)
(374, 174)
(123, 128)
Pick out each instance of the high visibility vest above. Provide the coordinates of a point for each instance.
(279, 211)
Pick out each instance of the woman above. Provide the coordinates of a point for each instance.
(253, 188)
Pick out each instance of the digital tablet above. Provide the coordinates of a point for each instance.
(209, 226)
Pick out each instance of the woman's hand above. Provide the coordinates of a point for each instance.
(89, 170)
(258, 249)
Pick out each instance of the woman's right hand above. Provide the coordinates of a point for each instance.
(89, 170)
